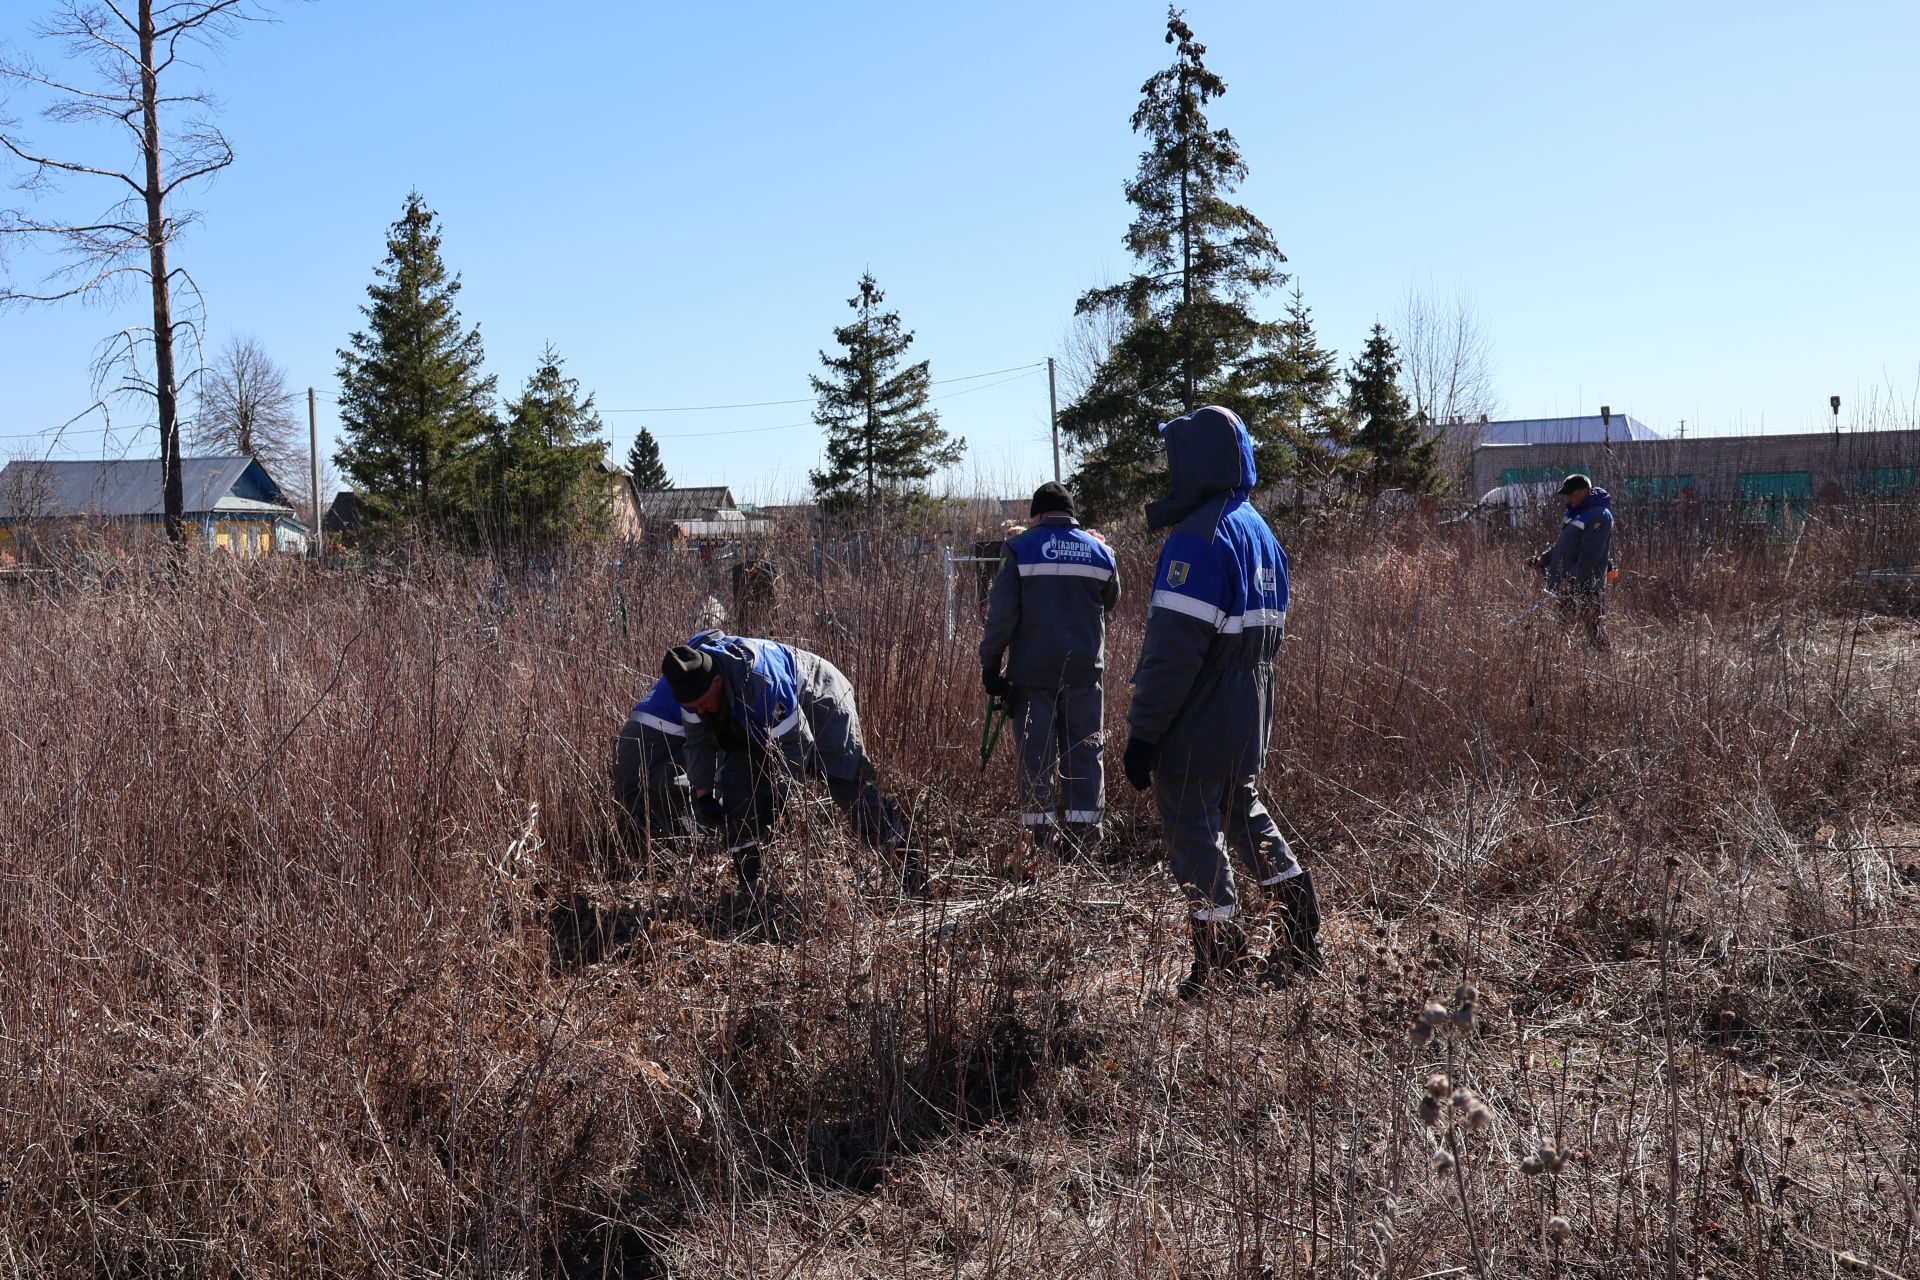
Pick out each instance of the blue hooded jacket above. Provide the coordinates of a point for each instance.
(1580, 555)
(1203, 690)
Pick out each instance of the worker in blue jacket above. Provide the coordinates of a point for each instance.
(649, 768)
(1579, 561)
(1202, 704)
(759, 714)
(1047, 620)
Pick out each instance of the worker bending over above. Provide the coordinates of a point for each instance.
(758, 715)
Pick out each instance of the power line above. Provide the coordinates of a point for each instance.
(763, 404)
(788, 426)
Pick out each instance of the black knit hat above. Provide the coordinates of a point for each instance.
(1051, 497)
(688, 673)
(1575, 483)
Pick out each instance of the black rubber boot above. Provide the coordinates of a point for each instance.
(1219, 954)
(1296, 928)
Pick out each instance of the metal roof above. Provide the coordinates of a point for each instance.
(1586, 430)
(682, 504)
(130, 488)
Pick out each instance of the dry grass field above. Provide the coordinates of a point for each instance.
(321, 956)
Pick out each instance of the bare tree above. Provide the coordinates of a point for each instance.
(246, 407)
(1086, 342)
(125, 51)
(1446, 366)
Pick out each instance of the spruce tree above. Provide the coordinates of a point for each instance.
(412, 397)
(535, 477)
(643, 462)
(1191, 332)
(1400, 454)
(1301, 427)
(883, 442)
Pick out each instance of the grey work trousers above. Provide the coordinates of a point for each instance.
(1200, 818)
(1061, 768)
(753, 786)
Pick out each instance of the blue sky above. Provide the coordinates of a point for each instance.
(1700, 211)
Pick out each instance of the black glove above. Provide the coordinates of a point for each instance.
(709, 811)
(996, 685)
(1138, 763)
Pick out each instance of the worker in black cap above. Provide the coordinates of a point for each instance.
(758, 714)
(1578, 563)
(1047, 619)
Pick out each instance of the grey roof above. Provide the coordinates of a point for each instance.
(1586, 430)
(130, 488)
(682, 504)
(344, 514)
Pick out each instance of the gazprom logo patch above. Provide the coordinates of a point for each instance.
(1266, 580)
(1066, 549)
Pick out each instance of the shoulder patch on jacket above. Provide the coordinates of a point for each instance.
(1177, 572)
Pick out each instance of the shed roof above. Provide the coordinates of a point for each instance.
(682, 504)
(130, 488)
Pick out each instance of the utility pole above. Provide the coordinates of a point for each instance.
(1053, 419)
(313, 459)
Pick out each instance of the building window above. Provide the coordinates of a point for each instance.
(1778, 499)
(1540, 475)
(1888, 482)
(1657, 488)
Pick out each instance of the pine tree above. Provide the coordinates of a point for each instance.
(535, 476)
(1191, 330)
(1400, 454)
(413, 399)
(643, 461)
(883, 442)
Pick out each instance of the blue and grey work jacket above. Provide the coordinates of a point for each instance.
(1047, 611)
(794, 705)
(1580, 556)
(656, 721)
(1203, 690)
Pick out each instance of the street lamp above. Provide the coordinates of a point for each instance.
(1833, 402)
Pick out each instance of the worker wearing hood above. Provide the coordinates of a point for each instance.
(1202, 702)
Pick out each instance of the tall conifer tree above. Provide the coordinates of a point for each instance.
(1203, 261)
(412, 396)
(643, 461)
(883, 442)
(1400, 454)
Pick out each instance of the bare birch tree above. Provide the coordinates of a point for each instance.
(246, 407)
(1447, 371)
(122, 97)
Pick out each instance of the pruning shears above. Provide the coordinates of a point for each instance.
(990, 731)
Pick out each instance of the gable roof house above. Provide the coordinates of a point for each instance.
(697, 519)
(230, 503)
